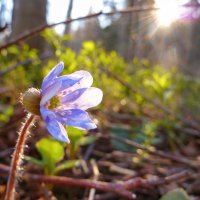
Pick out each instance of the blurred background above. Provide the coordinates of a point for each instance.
(143, 54)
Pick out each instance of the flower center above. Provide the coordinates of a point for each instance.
(54, 103)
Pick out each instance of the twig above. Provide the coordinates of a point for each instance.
(116, 188)
(84, 166)
(17, 156)
(120, 188)
(95, 170)
(39, 29)
(158, 152)
(117, 169)
(147, 183)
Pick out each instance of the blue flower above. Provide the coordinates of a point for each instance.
(65, 99)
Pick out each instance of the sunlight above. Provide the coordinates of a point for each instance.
(168, 12)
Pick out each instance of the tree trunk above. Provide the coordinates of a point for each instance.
(69, 11)
(27, 15)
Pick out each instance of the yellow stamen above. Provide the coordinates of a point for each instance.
(54, 103)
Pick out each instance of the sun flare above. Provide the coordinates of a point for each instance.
(168, 12)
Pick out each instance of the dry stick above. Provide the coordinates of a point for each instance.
(39, 29)
(95, 170)
(148, 183)
(17, 156)
(158, 153)
(116, 188)
(117, 169)
(119, 188)
(56, 180)
(155, 103)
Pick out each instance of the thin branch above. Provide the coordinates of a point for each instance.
(159, 153)
(117, 169)
(39, 29)
(149, 183)
(95, 170)
(122, 188)
(17, 157)
(116, 188)
(119, 188)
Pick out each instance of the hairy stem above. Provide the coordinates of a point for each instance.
(17, 156)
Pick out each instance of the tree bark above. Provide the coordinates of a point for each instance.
(27, 15)
(69, 11)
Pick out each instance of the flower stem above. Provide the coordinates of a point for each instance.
(17, 157)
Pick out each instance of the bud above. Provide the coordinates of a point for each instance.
(31, 100)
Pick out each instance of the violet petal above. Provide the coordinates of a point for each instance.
(54, 127)
(50, 92)
(52, 75)
(76, 118)
(83, 98)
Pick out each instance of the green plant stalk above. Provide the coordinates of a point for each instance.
(17, 157)
(73, 151)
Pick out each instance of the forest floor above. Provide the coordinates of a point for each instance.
(113, 173)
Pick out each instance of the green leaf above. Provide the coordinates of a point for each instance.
(176, 194)
(74, 134)
(51, 151)
(69, 164)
